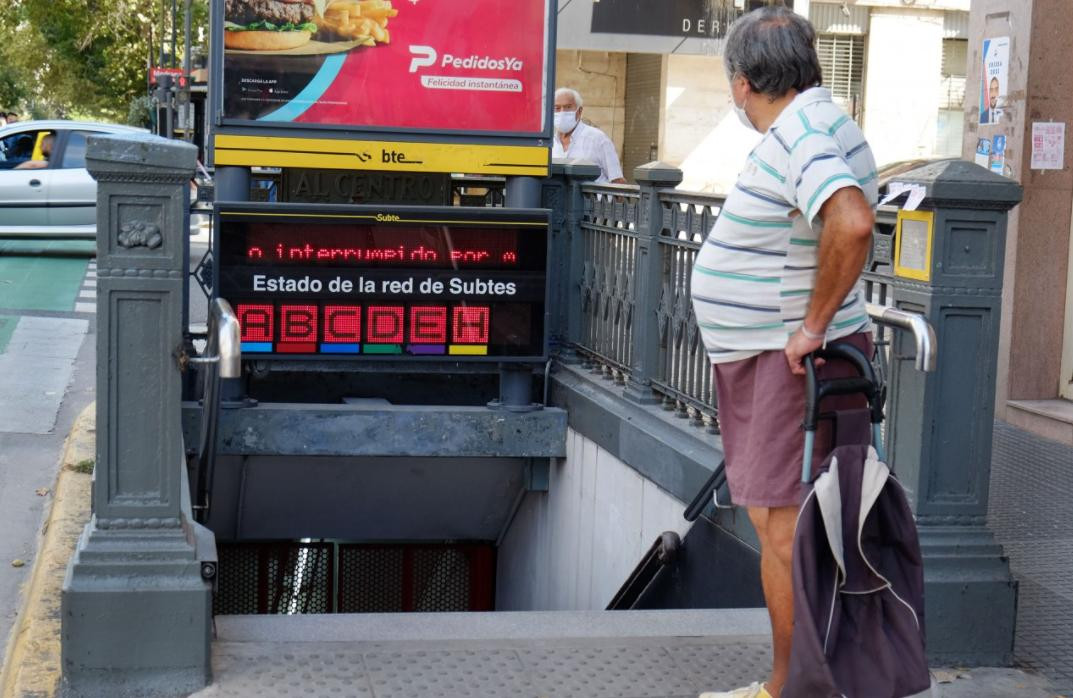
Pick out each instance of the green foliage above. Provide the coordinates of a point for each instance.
(84, 466)
(84, 58)
(140, 112)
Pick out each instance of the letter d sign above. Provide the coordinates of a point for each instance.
(423, 56)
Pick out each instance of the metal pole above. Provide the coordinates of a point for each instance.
(186, 42)
(163, 30)
(184, 101)
(174, 57)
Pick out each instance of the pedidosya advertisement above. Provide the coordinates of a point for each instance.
(477, 66)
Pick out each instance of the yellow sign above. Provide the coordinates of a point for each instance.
(397, 156)
(913, 238)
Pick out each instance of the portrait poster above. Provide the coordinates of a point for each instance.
(994, 80)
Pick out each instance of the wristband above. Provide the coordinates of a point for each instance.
(814, 336)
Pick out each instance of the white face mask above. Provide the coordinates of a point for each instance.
(742, 116)
(565, 121)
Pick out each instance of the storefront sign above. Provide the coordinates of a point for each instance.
(439, 66)
(356, 187)
(359, 282)
(706, 19)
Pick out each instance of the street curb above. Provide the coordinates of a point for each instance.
(32, 664)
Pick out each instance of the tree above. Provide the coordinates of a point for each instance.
(83, 58)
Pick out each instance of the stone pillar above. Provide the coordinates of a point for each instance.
(648, 278)
(136, 611)
(941, 425)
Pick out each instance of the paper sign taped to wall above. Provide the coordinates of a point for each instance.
(1048, 145)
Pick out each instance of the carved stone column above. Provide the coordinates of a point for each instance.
(136, 611)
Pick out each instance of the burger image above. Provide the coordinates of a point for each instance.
(270, 25)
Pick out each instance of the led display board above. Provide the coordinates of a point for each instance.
(365, 282)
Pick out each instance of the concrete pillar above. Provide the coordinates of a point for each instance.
(901, 107)
(940, 432)
(136, 611)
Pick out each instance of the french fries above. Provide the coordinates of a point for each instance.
(356, 20)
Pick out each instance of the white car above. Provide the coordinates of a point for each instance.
(58, 198)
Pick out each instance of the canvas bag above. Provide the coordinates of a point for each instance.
(858, 580)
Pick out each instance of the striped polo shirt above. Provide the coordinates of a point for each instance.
(754, 274)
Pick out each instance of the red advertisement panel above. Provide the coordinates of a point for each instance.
(440, 65)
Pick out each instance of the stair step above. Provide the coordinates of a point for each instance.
(751, 623)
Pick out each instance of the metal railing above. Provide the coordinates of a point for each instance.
(222, 359)
(683, 378)
(608, 228)
(624, 316)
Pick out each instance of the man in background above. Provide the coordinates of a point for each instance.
(46, 153)
(577, 140)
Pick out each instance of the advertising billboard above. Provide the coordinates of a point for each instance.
(411, 66)
(365, 283)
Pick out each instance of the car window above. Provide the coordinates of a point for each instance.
(74, 154)
(17, 148)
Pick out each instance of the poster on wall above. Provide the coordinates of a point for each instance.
(994, 79)
(983, 152)
(998, 155)
(1048, 145)
(411, 65)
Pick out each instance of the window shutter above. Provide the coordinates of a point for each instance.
(955, 64)
(842, 60)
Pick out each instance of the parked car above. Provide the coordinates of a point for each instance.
(58, 197)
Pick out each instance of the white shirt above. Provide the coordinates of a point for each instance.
(590, 143)
(754, 274)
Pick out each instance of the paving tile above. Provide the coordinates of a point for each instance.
(1031, 513)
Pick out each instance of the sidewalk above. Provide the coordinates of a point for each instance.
(587, 655)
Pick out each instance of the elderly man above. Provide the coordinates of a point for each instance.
(578, 140)
(776, 279)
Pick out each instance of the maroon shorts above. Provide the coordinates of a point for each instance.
(761, 408)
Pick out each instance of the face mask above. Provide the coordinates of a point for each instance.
(565, 121)
(742, 116)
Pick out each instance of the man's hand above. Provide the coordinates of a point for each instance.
(844, 243)
(798, 348)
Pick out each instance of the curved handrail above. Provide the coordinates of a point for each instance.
(927, 349)
(224, 348)
(224, 345)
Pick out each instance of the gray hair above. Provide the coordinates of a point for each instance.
(774, 48)
(573, 93)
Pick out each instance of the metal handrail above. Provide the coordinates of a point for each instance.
(224, 348)
(927, 350)
(224, 341)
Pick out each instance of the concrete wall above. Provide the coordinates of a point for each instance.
(701, 135)
(573, 546)
(600, 77)
(902, 68)
(1038, 244)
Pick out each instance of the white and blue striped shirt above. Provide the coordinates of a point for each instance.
(753, 277)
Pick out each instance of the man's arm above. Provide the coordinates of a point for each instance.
(611, 167)
(845, 240)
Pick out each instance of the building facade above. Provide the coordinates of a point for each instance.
(1035, 369)
(899, 68)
